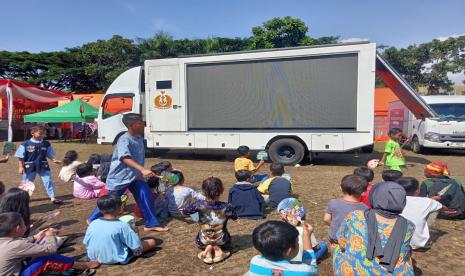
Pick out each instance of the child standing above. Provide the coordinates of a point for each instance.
(352, 188)
(277, 187)
(393, 158)
(180, 196)
(111, 241)
(32, 155)
(70, 163)
(213, 219)
(86, 184)
(22, 256)
(293, 212)
(368, 174)
(127, 171)
(245, 197)
(243, 162)
(417, 210)
(278, 244)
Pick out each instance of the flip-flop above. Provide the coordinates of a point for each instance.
(88, 272)
(57, 201)
(203, 258)
(223, 257)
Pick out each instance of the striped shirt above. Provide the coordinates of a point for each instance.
(259, 265)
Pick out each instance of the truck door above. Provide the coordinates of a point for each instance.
(165, 105)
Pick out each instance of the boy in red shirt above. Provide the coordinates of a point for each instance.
(368, 174)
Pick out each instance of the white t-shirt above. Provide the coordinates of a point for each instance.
(67, 173)
(417, 211)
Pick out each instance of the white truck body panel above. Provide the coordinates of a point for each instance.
(295, 82)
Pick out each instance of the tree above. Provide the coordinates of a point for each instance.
(279, 32)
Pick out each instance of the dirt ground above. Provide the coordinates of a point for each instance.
(315, 184)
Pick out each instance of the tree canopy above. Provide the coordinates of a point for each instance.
(93, 66)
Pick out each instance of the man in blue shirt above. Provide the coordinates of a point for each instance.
(127, 171)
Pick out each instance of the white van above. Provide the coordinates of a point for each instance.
(292, 101)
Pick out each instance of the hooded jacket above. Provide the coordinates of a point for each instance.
(247, 200)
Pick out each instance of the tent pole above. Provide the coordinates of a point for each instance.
(9, 94)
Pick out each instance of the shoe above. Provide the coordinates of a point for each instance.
(222, 257)
(205, 259)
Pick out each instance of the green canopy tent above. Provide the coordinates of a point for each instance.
(72, 112)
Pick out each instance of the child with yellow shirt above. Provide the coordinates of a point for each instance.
(243, 162)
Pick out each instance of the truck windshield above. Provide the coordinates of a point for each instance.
(116, 104)
(456, 110)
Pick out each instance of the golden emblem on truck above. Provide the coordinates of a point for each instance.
(163, 101)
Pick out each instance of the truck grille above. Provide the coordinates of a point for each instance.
(452, 138)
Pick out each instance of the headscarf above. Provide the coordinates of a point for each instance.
(292, 210)
(387, 199)
(437, 169)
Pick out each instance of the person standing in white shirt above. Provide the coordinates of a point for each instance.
(417, 210)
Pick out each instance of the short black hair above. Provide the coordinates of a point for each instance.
(243, 175)
(84, 169)
(70, 157)
(2, 188)
(273, 238)
(243, 150)
(131, 118)
(94, 159)
(180, 176)
(353, 185)
(212, 187)
(277, 169)
(153, 182)
(8, 222)
(365, 172)
(410, 184)
(108, 204)
(35, 129)
(394, 131)
(391, 175)
(160, 167)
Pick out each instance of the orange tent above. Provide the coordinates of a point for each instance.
(383, 96)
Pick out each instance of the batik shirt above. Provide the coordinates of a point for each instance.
(350, 253)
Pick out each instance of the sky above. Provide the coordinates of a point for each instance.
(49, 25)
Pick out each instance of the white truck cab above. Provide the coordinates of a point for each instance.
(446, 130)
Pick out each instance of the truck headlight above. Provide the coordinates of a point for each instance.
(432, 136)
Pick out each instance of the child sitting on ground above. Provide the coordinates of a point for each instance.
(22, 256)
(111, 241)
(393, 157)
(293, 212)
(448, 191)
(278, 244)
(391, 175)
(243, 162)
(245, 197)
(368, 174)
(417, 210)
(352, 187)
(70, 163)
(213, 219)
(180, 196)
(277, 187)
(2, 188)
(86, 185)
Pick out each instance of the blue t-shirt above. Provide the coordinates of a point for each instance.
(259, 265)
(121, 175)
(111, 241)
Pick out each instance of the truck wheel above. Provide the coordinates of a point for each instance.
(286, 151)
(415, 145)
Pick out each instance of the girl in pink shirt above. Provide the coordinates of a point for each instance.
(86, 185)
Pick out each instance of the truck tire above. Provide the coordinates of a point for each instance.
(286, 151)
(415, 145)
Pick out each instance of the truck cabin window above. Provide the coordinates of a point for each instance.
(116, 105)
(456, 110)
